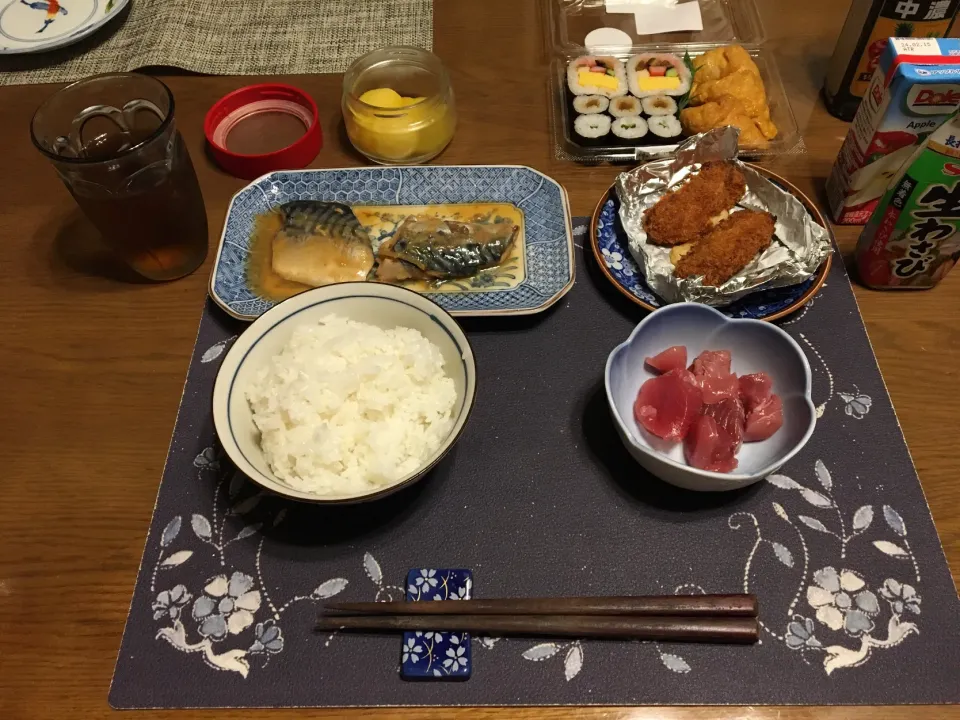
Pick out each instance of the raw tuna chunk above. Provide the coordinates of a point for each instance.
(717, 388)
(764, 420)
(700, 442)
(668, 404)
(730, 417)
(712, 363)
(706, 448)
(673, 358)
(754, 389)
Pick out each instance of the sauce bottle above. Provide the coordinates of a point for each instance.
(864, 37)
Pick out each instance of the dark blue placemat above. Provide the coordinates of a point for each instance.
(539, 498)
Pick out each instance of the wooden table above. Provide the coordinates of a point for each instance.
(92, 368)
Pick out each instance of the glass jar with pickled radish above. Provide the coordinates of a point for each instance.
(398, 106)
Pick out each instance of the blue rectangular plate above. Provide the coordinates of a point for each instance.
(547, 241)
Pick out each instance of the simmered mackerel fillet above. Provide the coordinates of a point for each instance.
(425, 248)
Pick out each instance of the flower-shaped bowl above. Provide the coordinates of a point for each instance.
(386, 306)
(755, 346)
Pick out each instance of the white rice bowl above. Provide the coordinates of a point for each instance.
(347, 408)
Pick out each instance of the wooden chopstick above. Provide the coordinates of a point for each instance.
(740, 630)
(673, 605)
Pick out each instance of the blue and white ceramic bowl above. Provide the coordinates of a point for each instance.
(609, 243)
(384, 305)
(755, 346)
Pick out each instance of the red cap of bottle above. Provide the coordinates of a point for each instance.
(250, 136)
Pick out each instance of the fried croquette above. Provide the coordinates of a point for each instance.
(684, 215)
(678, 251)
(726, 250)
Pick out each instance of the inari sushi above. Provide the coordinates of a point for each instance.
(657, 74)
(600, 75)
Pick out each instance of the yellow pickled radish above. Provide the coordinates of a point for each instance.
(414, 128)
(390, 138)
(382, 98)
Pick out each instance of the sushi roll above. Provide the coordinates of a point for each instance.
(591, 75)
(656, 105)
(590, 104)
(665, 126)
(625, 107)
(657, 74)
(630, 128)
(592, 127)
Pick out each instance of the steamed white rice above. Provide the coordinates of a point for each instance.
(348, 408)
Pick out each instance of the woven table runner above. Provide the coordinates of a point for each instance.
(539, 498)
(232, 37)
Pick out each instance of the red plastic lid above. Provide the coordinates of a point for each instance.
(261, 128)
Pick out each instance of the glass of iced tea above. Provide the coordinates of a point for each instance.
(114, 142)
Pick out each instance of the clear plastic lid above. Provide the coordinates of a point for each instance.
(724, 21)
(570, 146)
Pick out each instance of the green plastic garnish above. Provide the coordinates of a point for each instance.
(685, 98)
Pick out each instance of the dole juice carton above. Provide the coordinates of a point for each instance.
(913, 238)
(913, 90)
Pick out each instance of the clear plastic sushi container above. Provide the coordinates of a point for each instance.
(725, 22)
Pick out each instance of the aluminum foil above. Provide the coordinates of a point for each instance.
(799, 244)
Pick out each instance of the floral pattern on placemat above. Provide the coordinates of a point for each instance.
(840, 600)
(231, 616)
(229, 603)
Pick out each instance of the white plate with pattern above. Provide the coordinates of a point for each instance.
(32, 26)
